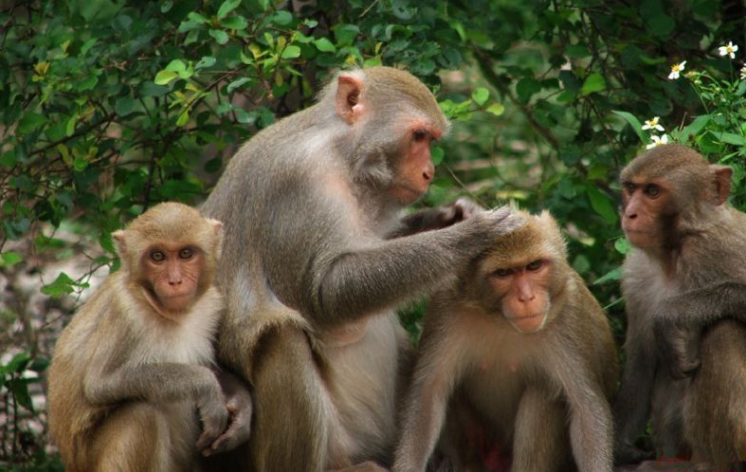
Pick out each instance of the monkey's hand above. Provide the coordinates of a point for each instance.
(460, 210)
(213, 415)
(628, 454)
(678, 348)
(239, 405)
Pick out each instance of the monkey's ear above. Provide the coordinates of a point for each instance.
(722, 183)
(119, 241)
(217, 228)
(347, 102)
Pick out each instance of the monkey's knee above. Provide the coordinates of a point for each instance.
(291, 418)
(134, 438)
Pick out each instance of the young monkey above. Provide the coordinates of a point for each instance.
(134, 364)
(520, 348)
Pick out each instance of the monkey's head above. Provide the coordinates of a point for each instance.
(522, 273)
(393, 119)
(171, 253)
(668, 190)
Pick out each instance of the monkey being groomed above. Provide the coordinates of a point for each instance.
(131, 385)
(520, 351)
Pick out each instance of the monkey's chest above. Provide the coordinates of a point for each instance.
(496, 384)
(362, 378)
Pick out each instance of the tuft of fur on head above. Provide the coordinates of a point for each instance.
(389, 91)
(540, 236)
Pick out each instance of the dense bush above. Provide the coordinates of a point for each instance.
(107, 107)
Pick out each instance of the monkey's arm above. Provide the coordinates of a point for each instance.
(162, 383)
(680, 321)
(435, 376)
(360, 282)
(591, 429)
(632, 404)
(436, 218)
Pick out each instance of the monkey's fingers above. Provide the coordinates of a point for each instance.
(507, 221)
(237, 433)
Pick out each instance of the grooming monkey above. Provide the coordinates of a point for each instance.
(133, 368)
(520, 347)
(686, 273)
(318, 256)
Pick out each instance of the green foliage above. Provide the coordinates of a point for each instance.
(110, 106)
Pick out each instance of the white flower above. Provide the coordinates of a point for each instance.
(653, 124)
(676, 70)
(728, 50)
(657, 141)
(743, 72)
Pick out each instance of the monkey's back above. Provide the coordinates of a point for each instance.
(715, 407)
(71, 417)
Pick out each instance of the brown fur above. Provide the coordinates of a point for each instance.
(522, 389)
(702, 246)
(124, 380)
(312, 276)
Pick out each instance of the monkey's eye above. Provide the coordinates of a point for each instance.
(503, 272)
(652, 190)
(536, 265)
(186, 253)
(157, 256)
(629, 187)
(419, 135)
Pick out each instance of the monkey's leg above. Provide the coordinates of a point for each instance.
(291, 422)
(540, 441)
(715, 409)
(135, 438)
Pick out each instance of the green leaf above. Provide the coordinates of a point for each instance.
(601, 203)
(31, 122)
(16, 365)
(177, 65)
(731, 138)
(124, 106)
(437, 155)
(496, 109)
(282, 18)
(8, 159)
(19, 389)
(593, 83)
(577, 51)
(694, 128)
(79, 164)
(480, 96)
(526, 88)
(227, 7)
(237, 83)
(63, 285)
(290, 52)
(622, 246)
(165, 76)
(9, 259)
(633, 122)
(235, 22)
(220, 36)
(324, 45)
(183, 118)
(70, 129)
(205, 62)
(611, 276)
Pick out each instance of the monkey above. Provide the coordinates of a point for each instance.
(518, 343)
(135, 363)
(685, 274)
(319, 255)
